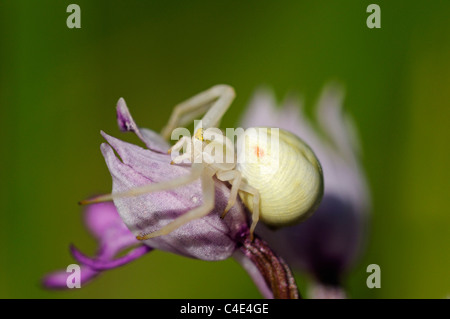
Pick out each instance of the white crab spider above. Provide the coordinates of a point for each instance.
(279, 195)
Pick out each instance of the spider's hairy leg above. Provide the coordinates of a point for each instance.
(234, 177)
(214, 101)
(195, 173)
(256, 202)
(208, 190)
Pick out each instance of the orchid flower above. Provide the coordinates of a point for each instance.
(209, 238)
(327, 244)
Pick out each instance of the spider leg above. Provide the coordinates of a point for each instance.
(256, 202)
(185, 140)
(234, 177)
(180, 158)
(195, 172)
(214, 101)
(208, 189)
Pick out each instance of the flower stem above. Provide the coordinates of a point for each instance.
(276, 273)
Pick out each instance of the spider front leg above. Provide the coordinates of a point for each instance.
(208, 190)
(184, 141)
(214, 101)
(196, 172)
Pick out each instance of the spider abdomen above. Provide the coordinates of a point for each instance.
(286, 173)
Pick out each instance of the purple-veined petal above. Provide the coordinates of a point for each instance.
(207, 238)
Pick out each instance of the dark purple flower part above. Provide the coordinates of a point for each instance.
(327, 244)
(267, 270)
(113, 237)
(208, 238)
(152, 140)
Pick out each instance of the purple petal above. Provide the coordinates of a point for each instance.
(98, 264)
(126, 124)
(207, 238)
(101, 217)
(114, 241)
(105, 223)
(58, 279)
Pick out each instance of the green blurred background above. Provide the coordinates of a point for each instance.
(59, 87)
